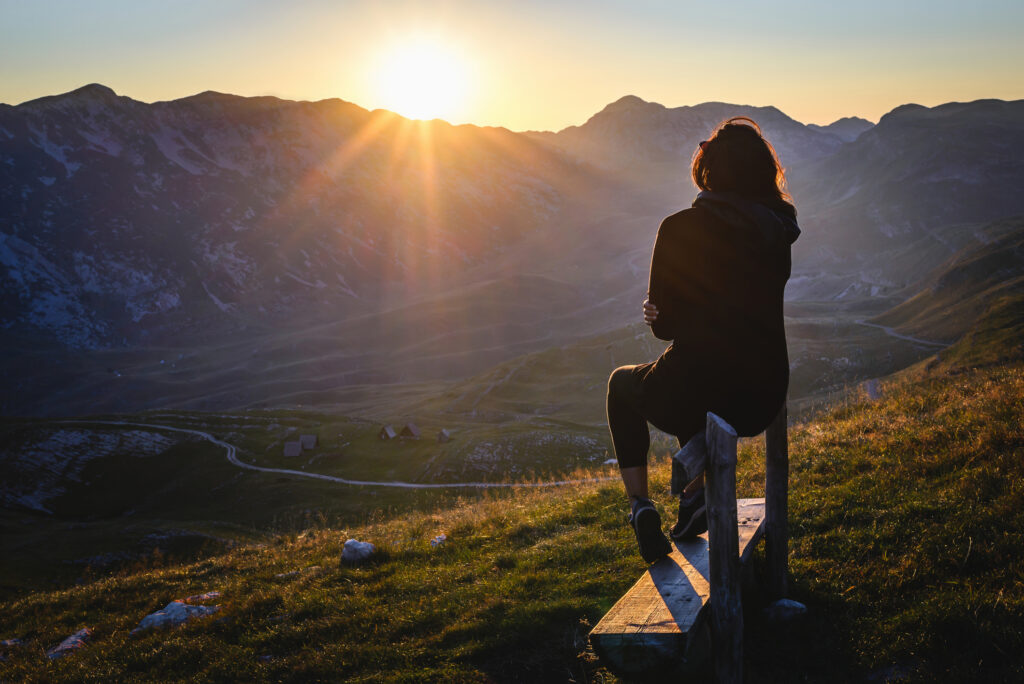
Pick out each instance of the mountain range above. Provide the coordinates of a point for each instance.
(329, 245)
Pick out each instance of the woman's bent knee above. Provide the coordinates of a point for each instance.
(620, 381)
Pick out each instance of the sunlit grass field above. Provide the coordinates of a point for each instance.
(906, 534)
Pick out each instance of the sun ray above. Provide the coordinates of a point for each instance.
(431, 201)
(330, 169)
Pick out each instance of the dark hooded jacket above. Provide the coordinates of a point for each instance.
(717, 277)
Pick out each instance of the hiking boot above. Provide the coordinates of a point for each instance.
(693, 518)
(646, 523)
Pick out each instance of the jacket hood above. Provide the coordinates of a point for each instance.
(774, 219)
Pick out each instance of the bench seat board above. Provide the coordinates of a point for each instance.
(648, 628)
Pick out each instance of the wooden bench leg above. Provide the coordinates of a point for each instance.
(776, 523)
(776, 505)
(723, 539)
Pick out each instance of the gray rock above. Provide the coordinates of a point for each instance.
(72, 643)
(175, 613)
(357, 551)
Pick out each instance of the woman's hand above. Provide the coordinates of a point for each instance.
(650, 312)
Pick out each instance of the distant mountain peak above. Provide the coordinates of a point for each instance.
(627, 103)
(92, 90)
(213, 95)
(91, 93)
(847, 128)
(910, 109)
(209, 97)
(851, 120)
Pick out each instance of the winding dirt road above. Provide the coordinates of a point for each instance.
(892, 333)
(232, 454)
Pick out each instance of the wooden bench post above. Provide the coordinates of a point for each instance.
(723, 540)
(776, 505)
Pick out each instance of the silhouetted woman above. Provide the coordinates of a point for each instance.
(717, 278)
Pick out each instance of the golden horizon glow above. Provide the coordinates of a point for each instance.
(515, 64)
(422, 78)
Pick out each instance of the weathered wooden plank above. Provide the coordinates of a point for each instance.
(776, 489)
(658, 625)
(725, 600)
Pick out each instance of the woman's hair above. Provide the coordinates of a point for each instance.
(737, 158)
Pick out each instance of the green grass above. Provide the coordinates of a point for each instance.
(906, 546)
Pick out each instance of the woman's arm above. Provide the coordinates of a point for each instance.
(659, 295)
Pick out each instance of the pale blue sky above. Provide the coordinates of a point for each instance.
(527, 63)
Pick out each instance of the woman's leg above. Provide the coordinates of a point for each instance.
(631, 440)
(630, 436)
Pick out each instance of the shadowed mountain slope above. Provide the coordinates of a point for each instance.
(918, 170)
(221, 251)
(975, 299)
(127, 223)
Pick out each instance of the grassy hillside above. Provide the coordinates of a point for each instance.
(906, 538)
(974, 283)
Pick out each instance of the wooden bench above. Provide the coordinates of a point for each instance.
(687, 605)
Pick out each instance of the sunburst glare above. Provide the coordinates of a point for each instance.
(422, 79)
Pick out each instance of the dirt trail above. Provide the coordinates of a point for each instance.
(892, 333)
(232, 454)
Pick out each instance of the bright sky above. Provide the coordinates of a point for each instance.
(523, 64)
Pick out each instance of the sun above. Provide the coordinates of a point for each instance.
(422, 79)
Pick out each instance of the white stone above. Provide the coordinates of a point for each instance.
(357, 551)
(175, 613)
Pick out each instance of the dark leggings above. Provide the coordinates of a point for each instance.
(627, 417)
